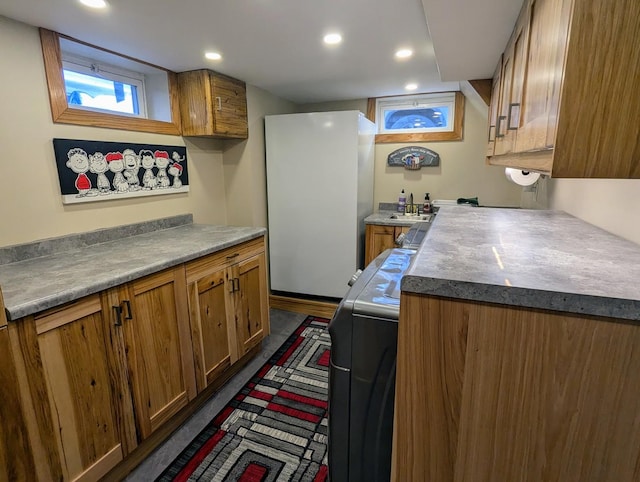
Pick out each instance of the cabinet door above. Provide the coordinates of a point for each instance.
(72, 347)
(494, 109)
(250, 302)
(548, 31)
(159, 353)
(513, 72)
(230, 106)
(210, 307)
(16, 460)
(379, 238)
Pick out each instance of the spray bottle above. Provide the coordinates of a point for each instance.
(426, 206)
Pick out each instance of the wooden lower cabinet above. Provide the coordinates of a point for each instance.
(67, 381)
(90, 383)
(380, 238)
(228, 306)
(499, 393)
(16, 458)
(155, 321)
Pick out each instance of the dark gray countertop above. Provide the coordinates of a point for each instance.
(35, 284)
(529, 258)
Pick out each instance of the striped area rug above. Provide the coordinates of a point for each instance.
(275, 429)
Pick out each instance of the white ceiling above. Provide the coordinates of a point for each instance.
(277, 44)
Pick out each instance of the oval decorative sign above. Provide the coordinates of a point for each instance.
(413, 157)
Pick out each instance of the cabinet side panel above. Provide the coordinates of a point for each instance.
(599, 133)
(549, 396)
(432, 345)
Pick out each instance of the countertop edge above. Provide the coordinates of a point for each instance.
(18, 311)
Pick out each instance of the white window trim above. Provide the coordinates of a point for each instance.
(106, 71)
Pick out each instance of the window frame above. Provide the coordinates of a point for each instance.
(84, 67)
(63, 113)
(454, 135)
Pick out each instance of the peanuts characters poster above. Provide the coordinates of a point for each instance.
(99, 171)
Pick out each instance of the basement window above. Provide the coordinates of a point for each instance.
(423, 117)
(91, 86)
(103, 87)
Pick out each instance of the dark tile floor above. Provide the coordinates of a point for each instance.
(283, 323)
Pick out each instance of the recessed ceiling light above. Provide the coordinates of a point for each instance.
(404, 53)
(411, 86)
(213, 55)
(94, 3)
(332, 38)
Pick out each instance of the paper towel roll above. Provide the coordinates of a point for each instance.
(523, 178)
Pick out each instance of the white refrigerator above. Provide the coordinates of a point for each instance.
(319, 190)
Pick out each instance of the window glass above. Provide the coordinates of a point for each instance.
(90, 91)
(419, 113)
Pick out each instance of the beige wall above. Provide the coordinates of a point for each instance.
(462, 171)
(244, 163)
(611, 204)
(226, 178)
(30, 203)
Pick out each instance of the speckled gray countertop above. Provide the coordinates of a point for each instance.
(529, 258)
(38, 283)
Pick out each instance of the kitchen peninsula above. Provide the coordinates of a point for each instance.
(116, 336)
(518, 351)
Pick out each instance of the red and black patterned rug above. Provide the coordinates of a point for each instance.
(275, 429)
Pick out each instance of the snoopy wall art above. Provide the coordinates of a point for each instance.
(91, 171)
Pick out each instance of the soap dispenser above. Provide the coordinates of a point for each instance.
(426, 206)
(402, 201)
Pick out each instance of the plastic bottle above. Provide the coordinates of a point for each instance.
(426, 206)
(402, 201)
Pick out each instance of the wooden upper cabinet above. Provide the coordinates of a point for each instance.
(494, 108)
(212, 105)
(511, 87)
(579, 114)
(155, 318)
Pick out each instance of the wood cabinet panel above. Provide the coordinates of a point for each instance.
(80, 394)
(212, 105)
(210, 306)
(579, 117)
(16, 458)
(251, 307)
(229, 307)
(379, 238)
(159, 354)
(490, 392)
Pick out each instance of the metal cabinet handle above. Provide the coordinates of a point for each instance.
(236, 287)
(232, 286)
(491, 129)
(129, 316)
(500, 119)
(511, 117)
(219, 102)
(117, 311)
(233, 256)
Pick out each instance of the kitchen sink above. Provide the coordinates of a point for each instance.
(411, 217)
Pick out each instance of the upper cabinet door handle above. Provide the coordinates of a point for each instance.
(219, 102)
(500, 119)
(514, 116)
